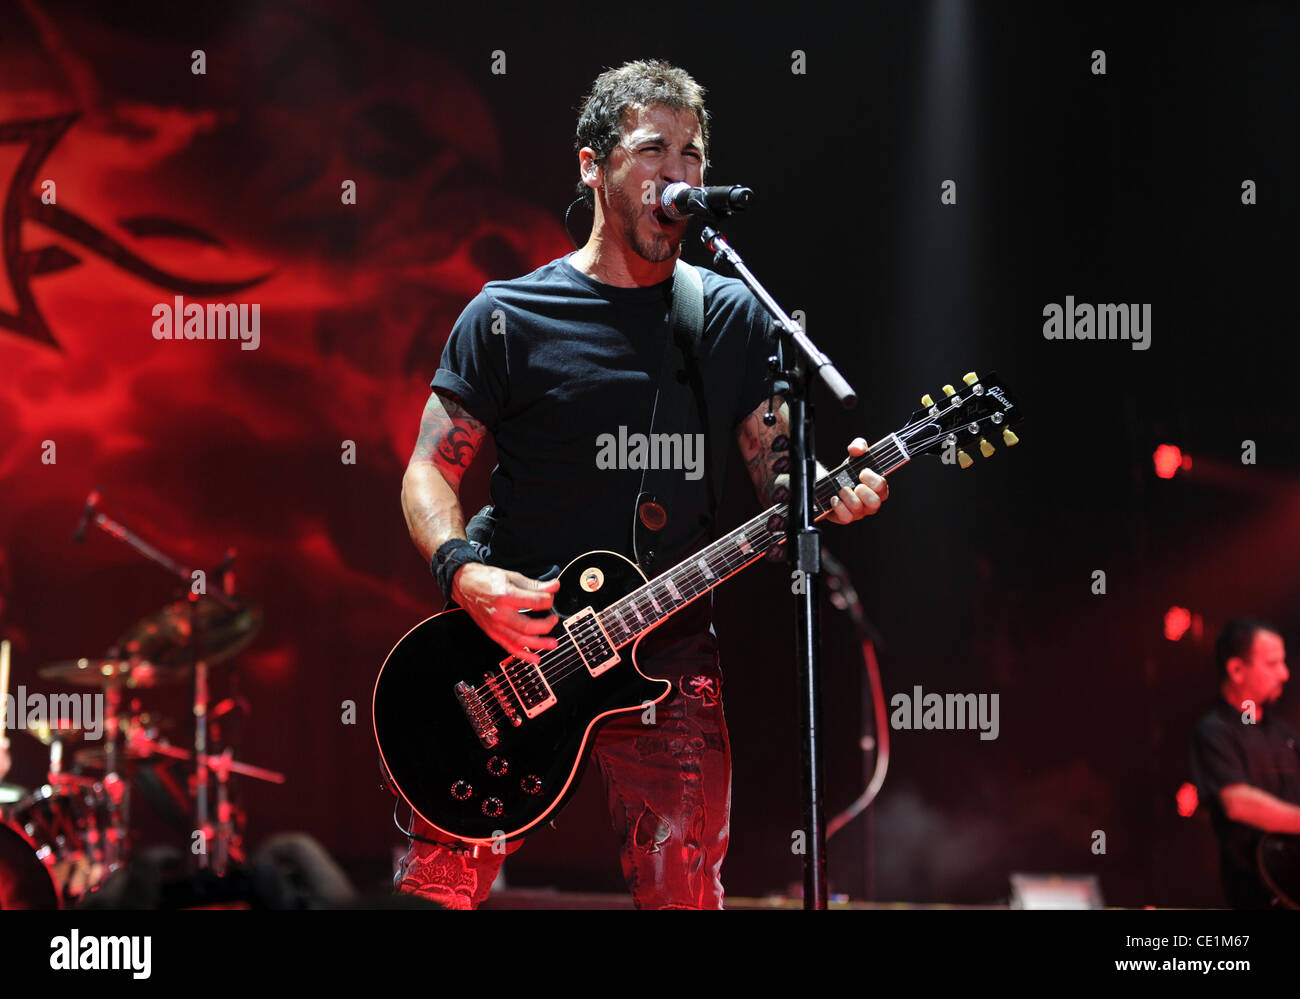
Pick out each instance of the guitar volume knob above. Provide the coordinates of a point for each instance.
(492, 807)
(532, 784)
(498, 766)
(462, 790)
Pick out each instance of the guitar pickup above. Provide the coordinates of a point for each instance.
(528, 684)
(592, 641)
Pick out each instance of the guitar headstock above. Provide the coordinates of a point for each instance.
(974, 419)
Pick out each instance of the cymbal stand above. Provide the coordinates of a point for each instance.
(185, 574)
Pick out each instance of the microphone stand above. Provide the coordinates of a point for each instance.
(799, 364)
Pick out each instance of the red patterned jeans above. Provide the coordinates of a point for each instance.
(668, 789)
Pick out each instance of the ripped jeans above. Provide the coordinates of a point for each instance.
(668, 790)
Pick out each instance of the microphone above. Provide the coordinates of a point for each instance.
(92, 501)
(680, 200)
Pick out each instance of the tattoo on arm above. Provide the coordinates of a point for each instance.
(449, 436)
(766, 451)
(457, 447)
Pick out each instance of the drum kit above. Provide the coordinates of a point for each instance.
(61, 842)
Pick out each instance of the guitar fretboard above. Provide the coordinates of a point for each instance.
(644, 608)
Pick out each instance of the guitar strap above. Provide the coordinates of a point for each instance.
(673, 401)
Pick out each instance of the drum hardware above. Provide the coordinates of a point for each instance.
(182, 640)
(222, 765)
(28, 881)
(59, 843)
(71, 829)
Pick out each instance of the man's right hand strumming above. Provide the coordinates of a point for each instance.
(495, 597)
(449, 439)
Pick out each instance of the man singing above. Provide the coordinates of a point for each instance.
(546, 364)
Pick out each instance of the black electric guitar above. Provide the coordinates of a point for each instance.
(486, 748)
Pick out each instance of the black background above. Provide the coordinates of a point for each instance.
(1123, 187)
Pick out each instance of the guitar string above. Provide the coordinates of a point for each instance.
(572, 659)
(569, 654)
(550, 670)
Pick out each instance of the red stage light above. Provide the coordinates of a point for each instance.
(1188, 800)
(1168, 459)
(1177, 621)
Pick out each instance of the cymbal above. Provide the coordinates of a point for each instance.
(97, 755)
(47, 733)
(163, 638)
(140, 732)
(131, 673)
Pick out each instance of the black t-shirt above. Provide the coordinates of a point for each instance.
(561, 369)
(1226, 750)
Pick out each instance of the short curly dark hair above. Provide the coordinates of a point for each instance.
(635, 84)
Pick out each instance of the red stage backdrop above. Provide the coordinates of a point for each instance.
(130, 180)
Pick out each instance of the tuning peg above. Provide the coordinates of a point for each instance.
(949, 390)
(986, 448)
(970, 378)
(926, 401)
(1009, 437)
(964, 460)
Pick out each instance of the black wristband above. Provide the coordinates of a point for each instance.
(449, 557)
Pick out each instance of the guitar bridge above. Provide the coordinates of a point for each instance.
(507, 705)
(477, 713)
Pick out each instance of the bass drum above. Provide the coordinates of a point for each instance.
(25, 881)
(68, 828)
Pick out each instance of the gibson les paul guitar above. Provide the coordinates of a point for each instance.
(486, 748)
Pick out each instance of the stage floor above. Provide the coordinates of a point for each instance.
(541, 898)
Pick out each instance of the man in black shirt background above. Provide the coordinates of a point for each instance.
(1245, 760)
(548, 364)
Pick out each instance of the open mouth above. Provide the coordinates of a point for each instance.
(662, 218)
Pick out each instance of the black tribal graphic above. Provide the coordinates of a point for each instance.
(40, 135)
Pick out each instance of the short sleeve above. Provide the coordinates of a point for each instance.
(1217, 761)
(473, 363)
(754, 381)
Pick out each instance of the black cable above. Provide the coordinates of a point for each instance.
(567, 232)
(410, 834)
